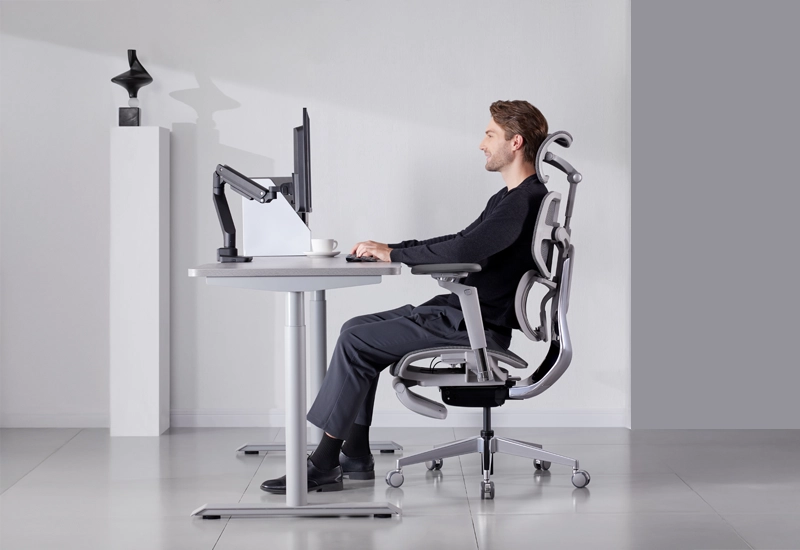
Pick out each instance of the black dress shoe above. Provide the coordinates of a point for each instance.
(318, 480)
(362, 467)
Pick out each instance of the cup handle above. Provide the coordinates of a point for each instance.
(335, 244)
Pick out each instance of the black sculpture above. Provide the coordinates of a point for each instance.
(132, 80)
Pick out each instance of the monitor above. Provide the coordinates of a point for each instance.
(302, 167)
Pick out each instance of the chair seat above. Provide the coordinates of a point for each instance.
(507, 356)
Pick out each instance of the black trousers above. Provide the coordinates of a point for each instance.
(368, 344)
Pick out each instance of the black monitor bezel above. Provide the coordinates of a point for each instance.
(302, 165)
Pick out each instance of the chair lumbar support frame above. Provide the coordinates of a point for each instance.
(473, 376)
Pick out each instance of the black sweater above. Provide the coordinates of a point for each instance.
(499, 240)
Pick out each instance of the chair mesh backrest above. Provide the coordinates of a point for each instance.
(542, 249)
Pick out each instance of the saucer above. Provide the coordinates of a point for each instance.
(322, 254)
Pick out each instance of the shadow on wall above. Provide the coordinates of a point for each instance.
(421, 61)
(195, 237)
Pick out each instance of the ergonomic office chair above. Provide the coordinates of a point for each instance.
(472, 376)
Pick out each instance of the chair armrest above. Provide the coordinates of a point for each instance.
(447, 275)
(445, 270)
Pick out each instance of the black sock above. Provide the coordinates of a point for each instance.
(326, 455)
(357, 443)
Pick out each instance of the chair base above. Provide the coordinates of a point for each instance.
(487, 444)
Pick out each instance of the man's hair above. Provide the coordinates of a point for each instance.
(520, 117)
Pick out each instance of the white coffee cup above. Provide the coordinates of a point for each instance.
(324, 245)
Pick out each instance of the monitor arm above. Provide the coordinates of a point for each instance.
(246, 188)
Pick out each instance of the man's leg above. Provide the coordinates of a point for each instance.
(324, 472)
(364, 417)
(361, 353)
(356, 443)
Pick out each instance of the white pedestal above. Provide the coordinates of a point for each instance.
(139, 290)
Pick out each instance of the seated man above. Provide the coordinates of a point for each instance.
(499, 240)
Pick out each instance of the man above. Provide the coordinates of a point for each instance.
(499, 240)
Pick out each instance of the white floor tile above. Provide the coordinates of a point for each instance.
(606, 532)
(606, 494)
(654, 489)
(97, 533)
(23, 449)
(754, 492)
(596, 459)
(434, 532)
(732, 459)
(767, 531)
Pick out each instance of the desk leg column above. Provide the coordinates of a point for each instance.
(319, 351)
(296, 474)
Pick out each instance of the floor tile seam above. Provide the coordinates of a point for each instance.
(666, 464)
(469, 506)
(216, 542)
(42, 461)
(255, 472)
(716, 511)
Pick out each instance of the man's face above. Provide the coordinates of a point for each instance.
(497, 149)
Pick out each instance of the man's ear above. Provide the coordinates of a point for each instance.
(517, 142)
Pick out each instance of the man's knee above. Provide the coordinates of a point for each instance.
(348, 336)
(354, 322)
(354, 351)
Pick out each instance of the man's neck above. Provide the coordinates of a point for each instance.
(514, 174)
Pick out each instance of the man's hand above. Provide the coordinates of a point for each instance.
(371, 248)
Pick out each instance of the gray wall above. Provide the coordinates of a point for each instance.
(398, 94)
(714, 204)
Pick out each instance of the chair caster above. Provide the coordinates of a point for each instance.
(541, 464)
(487, 490)
(395, 478)
(434, 464)
(580, 478)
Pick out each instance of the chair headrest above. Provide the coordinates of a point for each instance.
(564, 139)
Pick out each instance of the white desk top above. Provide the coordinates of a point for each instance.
(296, 266)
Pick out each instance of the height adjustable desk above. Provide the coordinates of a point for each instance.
(296, 275)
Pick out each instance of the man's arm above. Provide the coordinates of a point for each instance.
(496, 232)
(383, 251)
(414, 242)
(443, 238)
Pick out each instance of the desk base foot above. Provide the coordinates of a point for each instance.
(252, 449)
(360, 509)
